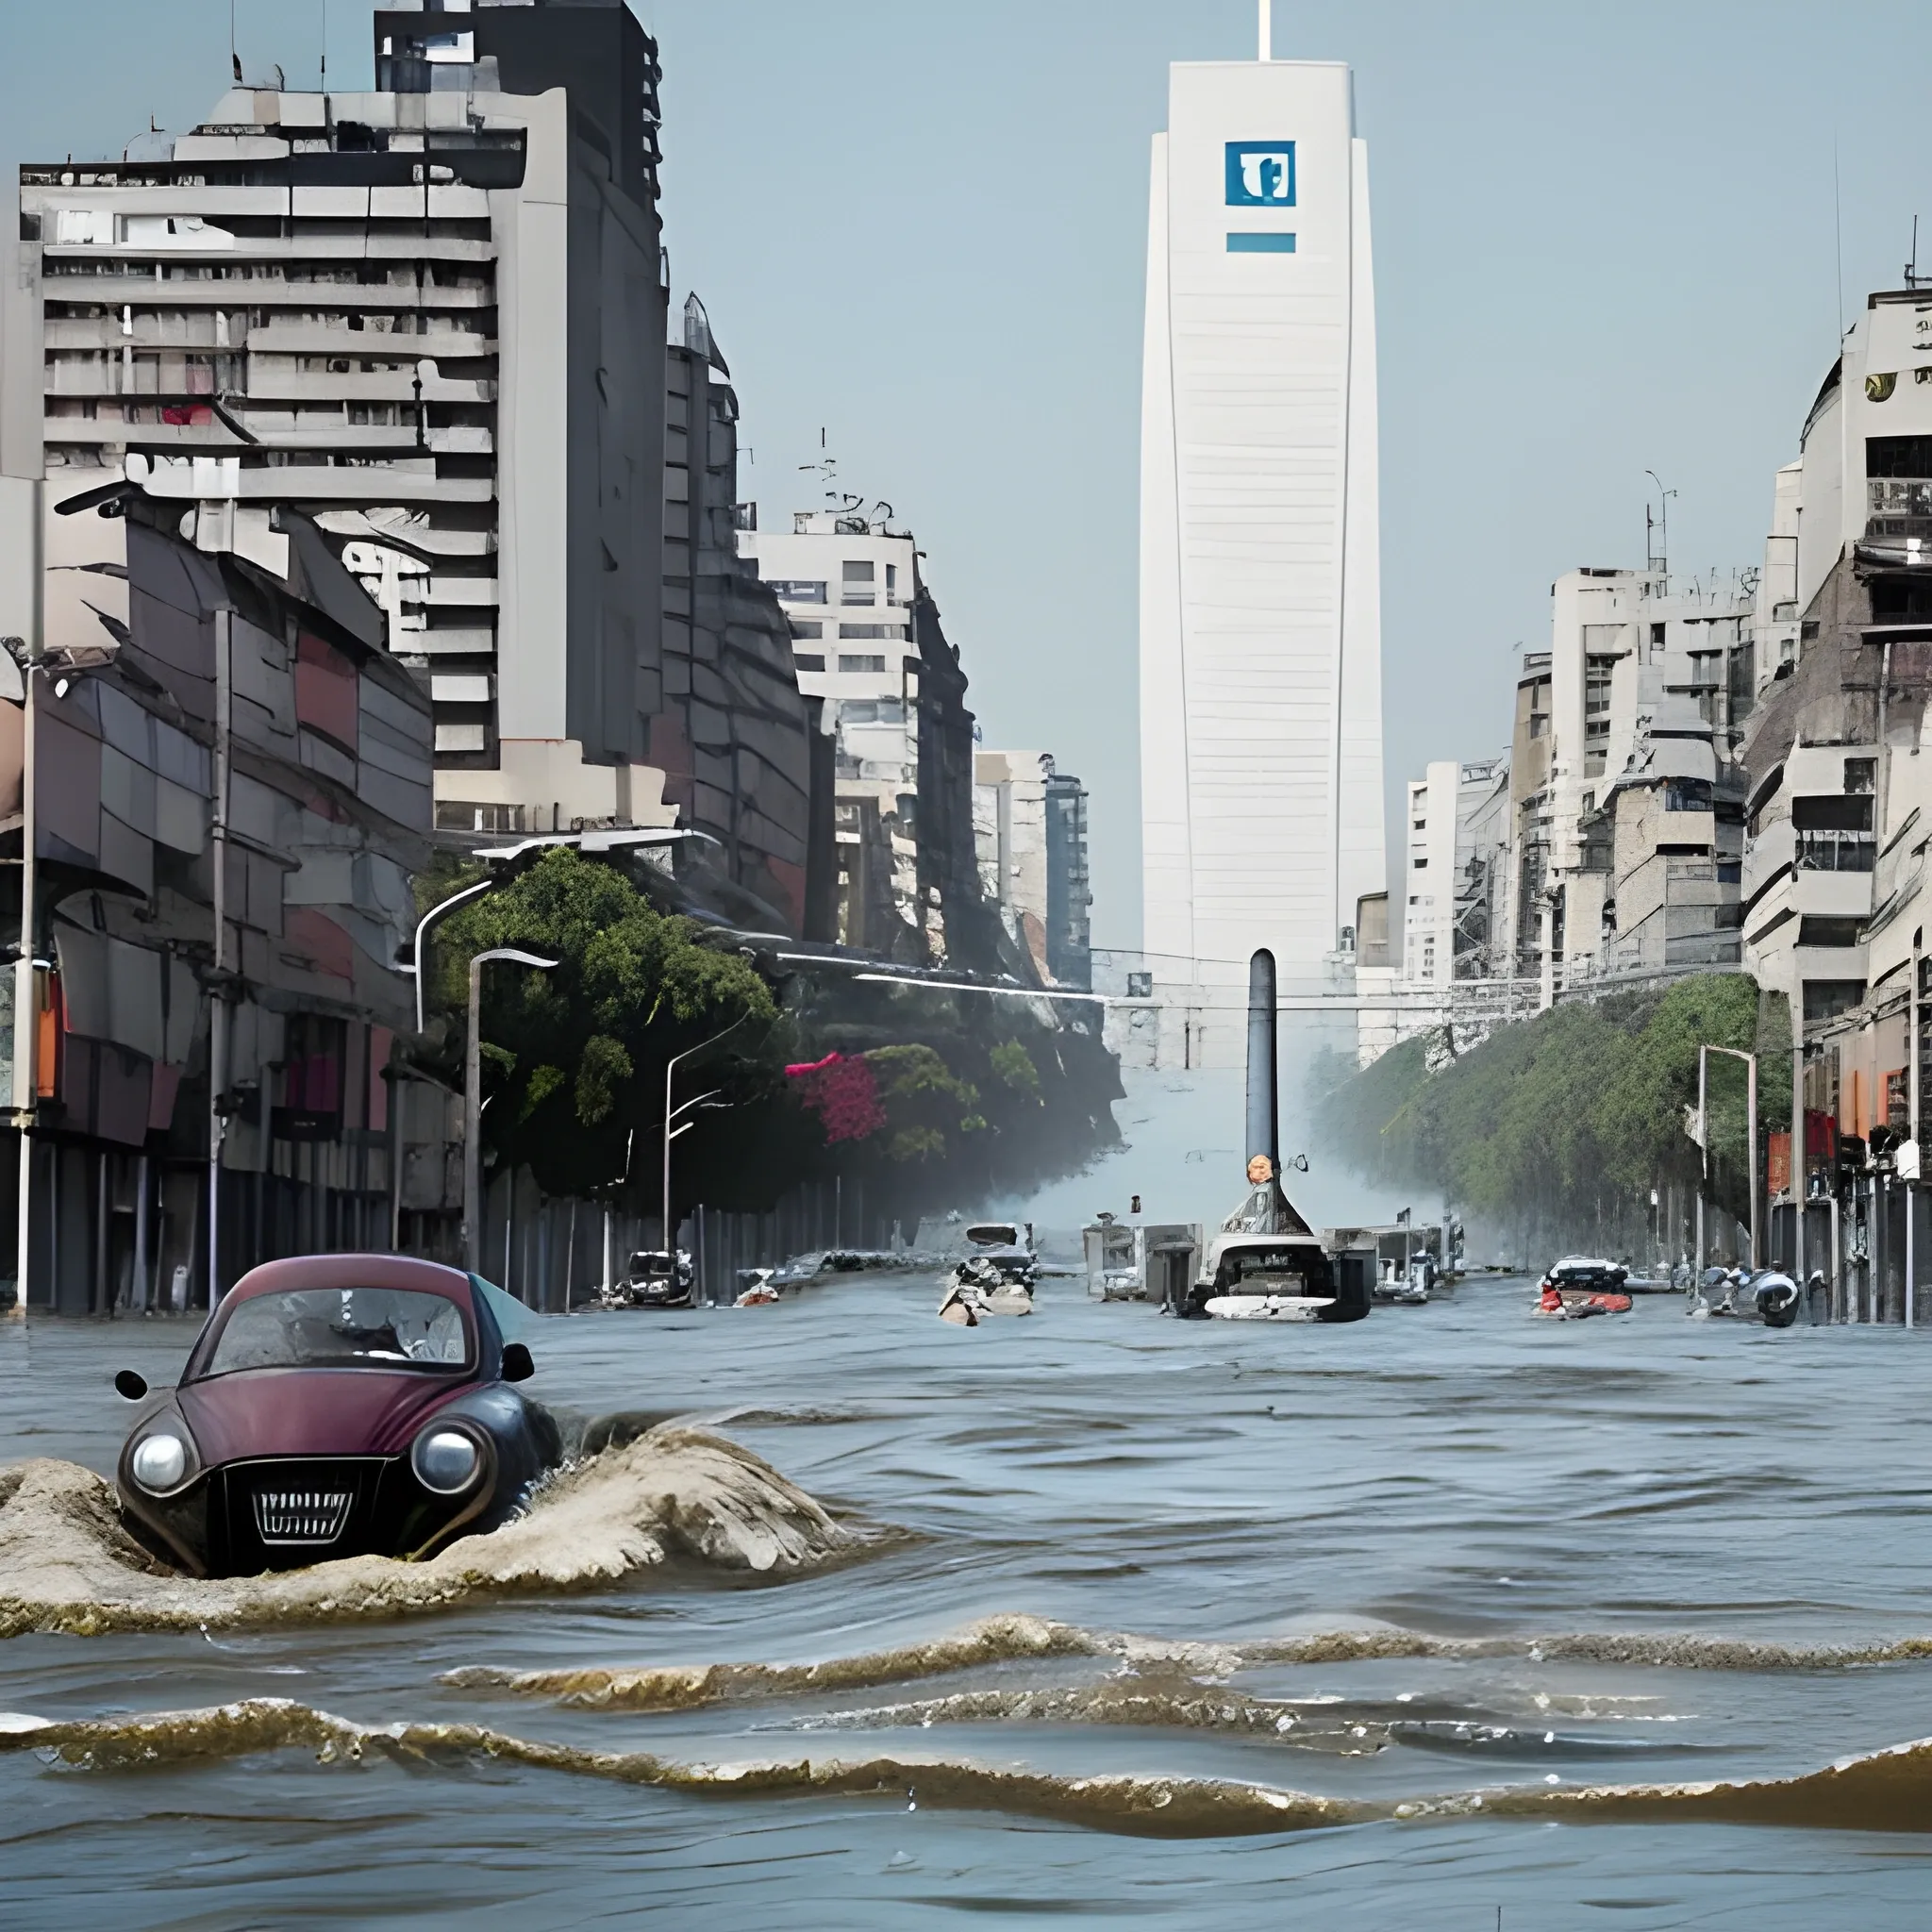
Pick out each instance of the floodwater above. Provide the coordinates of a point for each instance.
(1248, 1620)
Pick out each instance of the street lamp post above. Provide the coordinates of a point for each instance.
(1750, 1060)
(472, 1100)
(26, 1017)
(671, 1133)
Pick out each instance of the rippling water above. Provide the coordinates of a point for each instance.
(1252, 1618)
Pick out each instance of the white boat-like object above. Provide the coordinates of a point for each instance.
(1282, 1278)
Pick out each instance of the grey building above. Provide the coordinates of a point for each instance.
(430, 317)
(232, 789)
(744, 756)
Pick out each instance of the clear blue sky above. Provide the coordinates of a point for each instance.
(1605, 243)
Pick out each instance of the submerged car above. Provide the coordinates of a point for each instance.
(337, 1405)
(656, 1279)
(1278, 1278)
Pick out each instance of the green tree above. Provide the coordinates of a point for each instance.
(576, 1056)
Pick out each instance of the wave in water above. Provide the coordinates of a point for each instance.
(66, 1564)
(1017, 1637)
(1883, 1790)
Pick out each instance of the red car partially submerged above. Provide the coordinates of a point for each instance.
(335, 1405)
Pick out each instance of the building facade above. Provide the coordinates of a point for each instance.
(1029, 823)
(432, 316)
(734, 737)
(232, 789)
(1627, 787)
(1260, 629)
(870, 650)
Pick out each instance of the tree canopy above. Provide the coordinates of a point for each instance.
(1578, 1111)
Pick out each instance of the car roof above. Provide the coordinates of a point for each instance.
(354, 1271)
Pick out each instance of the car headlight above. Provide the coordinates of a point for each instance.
(445, 1459)
(159, 1462)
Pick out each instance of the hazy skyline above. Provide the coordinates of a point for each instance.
(1605, 243)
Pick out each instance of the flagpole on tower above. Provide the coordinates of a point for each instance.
(1267, 36)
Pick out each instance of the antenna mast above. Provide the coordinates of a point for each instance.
(1267, 30)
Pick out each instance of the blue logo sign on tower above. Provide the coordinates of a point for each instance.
(1260, 173)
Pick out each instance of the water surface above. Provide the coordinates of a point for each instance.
(1571, 1556)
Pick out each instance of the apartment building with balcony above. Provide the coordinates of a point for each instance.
(431, 318)
(1626, 791)
(1835, 908)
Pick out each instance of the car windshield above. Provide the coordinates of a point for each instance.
(1270, 1270)
(342, 1328)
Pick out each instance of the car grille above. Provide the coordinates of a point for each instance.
(301, 1516)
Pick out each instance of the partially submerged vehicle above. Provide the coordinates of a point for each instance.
(337, 1405)
(654, 1280)
(1280, 1278)
(996, 1278)
(1580, 1286)
(1768, 1296)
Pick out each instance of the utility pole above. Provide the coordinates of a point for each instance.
(27, 1010)
(217, 1003)
(671, 1133)
(1913, 1072)
(473, 1101)
(1750, 1060)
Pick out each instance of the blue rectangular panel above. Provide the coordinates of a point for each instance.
(1260, 173)
(1260, 245)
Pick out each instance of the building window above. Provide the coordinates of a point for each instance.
(1861, 774)
(798, 591)
(862, 660)
(810, 660)
(857, 587)
(1419, 864)
(891, 583)
(800, 629)
(871, 711)
(1814, 931)
(895, 631)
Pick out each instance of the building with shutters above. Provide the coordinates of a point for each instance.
(222, 749)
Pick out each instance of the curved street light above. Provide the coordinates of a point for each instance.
(472, 1099)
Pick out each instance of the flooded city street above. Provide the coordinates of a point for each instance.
(1140, 1619)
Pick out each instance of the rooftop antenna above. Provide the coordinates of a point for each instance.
(1838, 216)
(1912, 266)
(1267, 30)
(325, 47)
(234, 58)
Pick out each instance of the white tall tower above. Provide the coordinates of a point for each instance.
(1261, 618)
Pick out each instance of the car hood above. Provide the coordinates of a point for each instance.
(313, 1412)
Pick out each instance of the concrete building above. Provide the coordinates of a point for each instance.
(869, 648)
(1482, 832)
(231, 791)
(1457, 822)
(745, 759)
(1429, 924)
(432, 316)
(1835, 908)
(1260, 629)
(1626, 793)
(1029, 823)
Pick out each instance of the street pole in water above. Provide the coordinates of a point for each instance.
(671, 1133)
(1912, 1127)
(26, 1010)
(1703, 1155)
(472, 1105)
(1264, 1109)
(1750, 1060)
